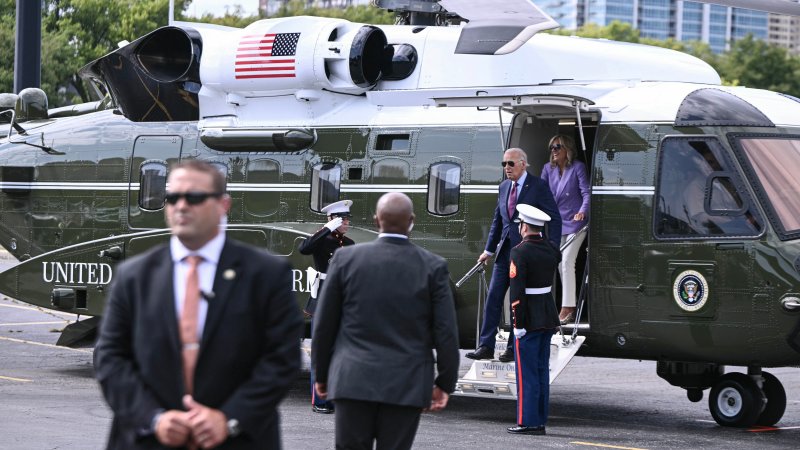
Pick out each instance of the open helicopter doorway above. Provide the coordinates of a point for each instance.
(531, 130)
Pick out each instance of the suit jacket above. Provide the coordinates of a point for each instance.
(384, 306)
(571, 191)
(533, 265)
(536, 193)
(249, 351)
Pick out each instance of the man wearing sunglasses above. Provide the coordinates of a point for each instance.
(198, 342)
(519, 187)
(322, 245)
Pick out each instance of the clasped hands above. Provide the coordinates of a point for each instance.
(197, 427)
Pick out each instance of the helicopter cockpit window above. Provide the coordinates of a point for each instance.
(773, 163)
(444, 188)
(699, 193)
(152, 185)
(325, 185)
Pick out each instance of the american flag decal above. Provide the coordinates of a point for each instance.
(268, 55)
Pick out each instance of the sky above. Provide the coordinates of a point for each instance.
(217, 7)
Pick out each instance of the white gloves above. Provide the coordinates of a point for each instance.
(335, 223)
(519, 332)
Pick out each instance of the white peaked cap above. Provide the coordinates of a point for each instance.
(531, 215)
(340, 207)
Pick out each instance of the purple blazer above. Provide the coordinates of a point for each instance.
(571, 192)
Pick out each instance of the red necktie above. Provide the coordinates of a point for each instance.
(512, 200)
(188, 322)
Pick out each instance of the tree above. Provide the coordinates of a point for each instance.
(754, 63)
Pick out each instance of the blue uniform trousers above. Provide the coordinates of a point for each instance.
(493, 308)
(532, 360)
(315, 400)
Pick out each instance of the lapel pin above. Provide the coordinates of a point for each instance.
(229, 274)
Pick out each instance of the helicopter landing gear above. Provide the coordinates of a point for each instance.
(694, 395)
(736, 400)
(739, 400)
(776, 401)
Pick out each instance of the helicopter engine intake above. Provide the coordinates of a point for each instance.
(296, 53)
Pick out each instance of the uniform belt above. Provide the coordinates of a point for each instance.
(322, 276)
(541, 290)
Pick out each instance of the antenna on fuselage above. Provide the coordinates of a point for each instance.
(171, 17)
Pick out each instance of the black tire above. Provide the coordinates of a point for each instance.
(776, 401)
(735, 401)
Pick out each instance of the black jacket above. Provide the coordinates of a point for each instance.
(533, 265)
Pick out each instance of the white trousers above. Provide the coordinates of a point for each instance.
(567, 269)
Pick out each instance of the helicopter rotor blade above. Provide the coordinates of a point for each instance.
(497, 27)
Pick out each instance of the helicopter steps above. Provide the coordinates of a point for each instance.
(495, 379)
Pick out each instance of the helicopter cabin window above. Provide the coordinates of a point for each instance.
(152, 185)
(325, 185)
(263, 178)
(773, 163)
(393, 142)
(699, 194)
(444, 188)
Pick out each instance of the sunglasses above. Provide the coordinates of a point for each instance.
(192, 198)
(555, 147)
(507, 163)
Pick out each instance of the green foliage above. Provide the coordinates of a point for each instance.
(749, 62)
(754, 63)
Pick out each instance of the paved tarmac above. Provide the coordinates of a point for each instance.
(49, 400)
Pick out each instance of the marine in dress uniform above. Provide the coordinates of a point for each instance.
(321, 246)
(533, 265)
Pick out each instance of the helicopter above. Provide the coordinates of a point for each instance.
(692, 257)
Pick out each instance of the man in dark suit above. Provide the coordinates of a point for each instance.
(200, 338)
(384, 306)
(520, 187)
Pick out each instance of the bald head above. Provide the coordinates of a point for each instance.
(394, 213)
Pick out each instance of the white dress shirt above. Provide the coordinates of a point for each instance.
(206, 271)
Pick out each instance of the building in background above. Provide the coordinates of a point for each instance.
(785, 31)
(663, 19)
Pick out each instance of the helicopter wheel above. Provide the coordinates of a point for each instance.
(735, 401)
(776, 401)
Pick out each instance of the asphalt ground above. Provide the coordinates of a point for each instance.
(49, 400)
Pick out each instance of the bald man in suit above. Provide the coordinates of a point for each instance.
(385, 306)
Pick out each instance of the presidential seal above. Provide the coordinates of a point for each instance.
(690, 290)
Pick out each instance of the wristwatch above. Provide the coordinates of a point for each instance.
(233, 428)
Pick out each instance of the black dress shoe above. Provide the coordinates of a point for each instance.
(506, 356)
(322, 409)
(481, 353)
(519, 429)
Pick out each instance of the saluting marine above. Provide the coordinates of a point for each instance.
(321, 246)
(533, 265)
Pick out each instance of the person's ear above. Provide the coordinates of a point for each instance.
(377, 224)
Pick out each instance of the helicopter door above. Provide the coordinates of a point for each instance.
(705, 228)
(152, 155)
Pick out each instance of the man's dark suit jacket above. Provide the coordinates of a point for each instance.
(384, 306)
(536, 193)
(249, 352)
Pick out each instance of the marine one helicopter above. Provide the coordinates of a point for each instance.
(694, 234)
